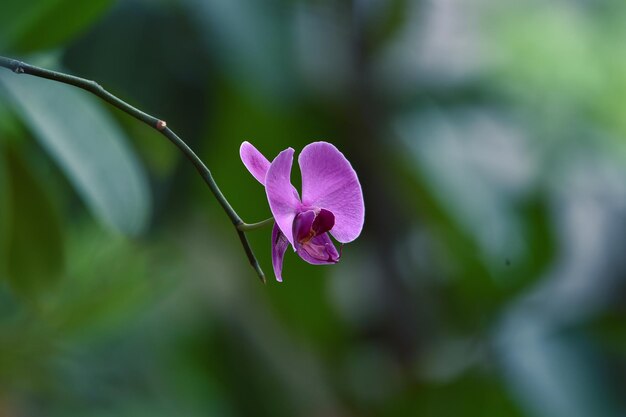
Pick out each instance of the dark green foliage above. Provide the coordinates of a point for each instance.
(27, 26)
(35, 253)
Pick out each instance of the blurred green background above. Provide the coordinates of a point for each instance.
(489, 137)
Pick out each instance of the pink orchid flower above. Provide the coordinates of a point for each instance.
(332, 201)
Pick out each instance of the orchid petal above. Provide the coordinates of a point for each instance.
(309, 223)
(281, 195)
(330, 182)
(279, 246)
(324, 221)
(320, 250)
(254, 160)
(302, 225)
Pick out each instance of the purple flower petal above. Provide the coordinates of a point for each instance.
(324, 221)
(254, 160)
(283, 198)
(302, 225)
(319, 250)
(312, 242)
(330, 182)
(308, 224)
(279, 246)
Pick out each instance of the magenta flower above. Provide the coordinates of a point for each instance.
(332, 201)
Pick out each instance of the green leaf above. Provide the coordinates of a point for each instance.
(27, 26)
(88, 146)
(35, 247)
(5, 213)
(10, 126)
(108, 283)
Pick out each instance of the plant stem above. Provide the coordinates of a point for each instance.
(93, 87)
(245, 227)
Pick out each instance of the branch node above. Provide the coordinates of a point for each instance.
(161, 125)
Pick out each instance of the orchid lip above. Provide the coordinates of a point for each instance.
(312, 243)
(319, 252)
(310, 223)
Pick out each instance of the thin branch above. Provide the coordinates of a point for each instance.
(245, 227)
(93, 87)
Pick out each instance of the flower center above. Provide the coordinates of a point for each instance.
(311, 223)
(311, 240)
(308, 237)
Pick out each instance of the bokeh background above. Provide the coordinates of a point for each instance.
(489, 137)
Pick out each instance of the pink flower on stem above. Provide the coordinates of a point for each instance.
(332, 201)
